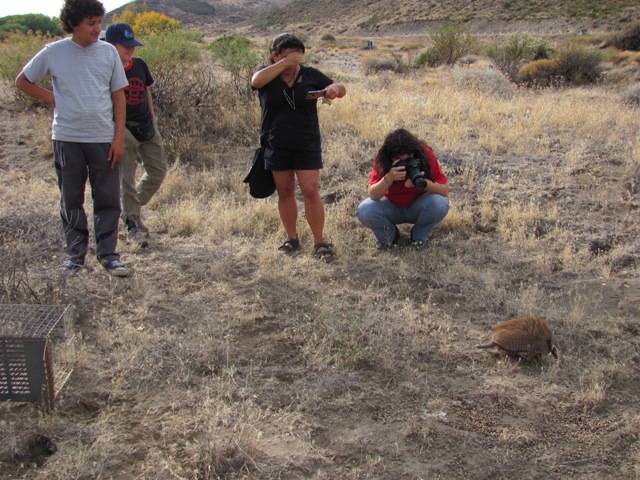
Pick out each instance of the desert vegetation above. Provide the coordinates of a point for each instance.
(219, 358)
(29, 23)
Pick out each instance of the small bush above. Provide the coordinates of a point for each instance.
(182, 85)
(573, 66)
(627, 40)
(518, 49)
(625, 57)
(469, 59)
(541, 73)
(428, 58)
(541, 49)
(328, 37)
(237, 56)
(486, 81)
(197, 102)
(168, 54)
(622, 76)
(631, 95)
(581, 65)
(620, 58)
(411, 46)
(373, 65)
(449, 44)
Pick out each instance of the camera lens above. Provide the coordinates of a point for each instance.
(419, 182)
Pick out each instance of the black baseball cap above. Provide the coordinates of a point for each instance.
(121, 33)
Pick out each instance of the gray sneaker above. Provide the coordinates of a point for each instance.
(143, 228)
(115, 268)
(134, 236)
(72, 266)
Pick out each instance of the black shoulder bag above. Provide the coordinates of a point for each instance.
(261, 183)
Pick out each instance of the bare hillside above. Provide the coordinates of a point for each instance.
(366, 17)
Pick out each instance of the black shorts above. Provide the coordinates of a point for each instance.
(280, 159)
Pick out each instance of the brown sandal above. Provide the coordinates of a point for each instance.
(324, 251)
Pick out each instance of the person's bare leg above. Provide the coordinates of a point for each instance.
(313, 207)
(287, 205)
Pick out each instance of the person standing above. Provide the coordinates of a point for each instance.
(88, 129)
(142, 138)
(290, 133)
(395, 198)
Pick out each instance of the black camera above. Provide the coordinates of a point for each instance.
(412, 167)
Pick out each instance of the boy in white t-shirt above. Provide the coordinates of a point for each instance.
(88, 129)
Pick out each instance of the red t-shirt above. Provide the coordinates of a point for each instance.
(403, 196)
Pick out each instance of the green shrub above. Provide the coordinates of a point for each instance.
(541, 49)
(450, 43)
(328, 37)
(17, 49)
(31, 22)
(581, 65)
(168, 53)
(180, 86)
(572, 65)
(518, 49)
(197, 103)
(428, 58)
(236, 55)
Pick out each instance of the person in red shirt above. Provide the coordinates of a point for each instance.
(393, 197)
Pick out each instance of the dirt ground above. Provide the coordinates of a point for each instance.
(223, 360)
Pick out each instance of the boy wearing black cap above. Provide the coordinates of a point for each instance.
(142, 138)
(88, 129)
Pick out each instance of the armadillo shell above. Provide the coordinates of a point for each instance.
(523, 334)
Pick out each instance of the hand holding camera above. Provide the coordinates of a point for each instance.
(412, 172)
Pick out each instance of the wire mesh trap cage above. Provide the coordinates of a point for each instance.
(37, 352)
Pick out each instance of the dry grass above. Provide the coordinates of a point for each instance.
(218, 358)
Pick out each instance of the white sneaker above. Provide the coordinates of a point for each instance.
(134, 236)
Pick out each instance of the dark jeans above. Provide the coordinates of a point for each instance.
(75, 162)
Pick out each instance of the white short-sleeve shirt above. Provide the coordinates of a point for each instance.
(83, 79)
